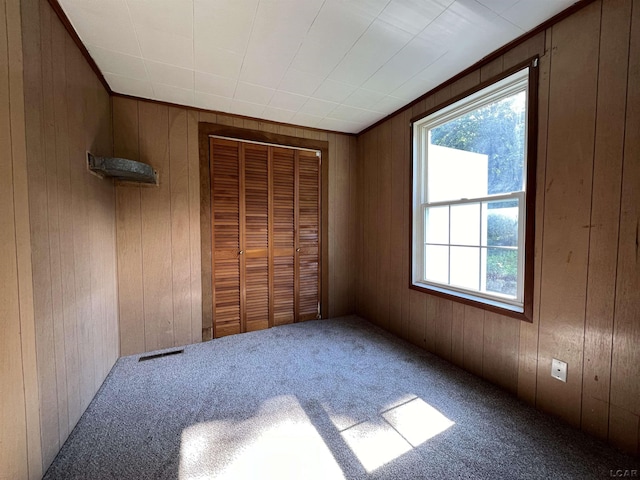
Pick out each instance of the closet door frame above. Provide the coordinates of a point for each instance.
(205, 130)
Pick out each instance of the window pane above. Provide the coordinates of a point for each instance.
(479, 153)
(465, 224)
(454, 174)
(469, 178)
(500, 270)
(500, 223)
(437, 225)
(465, 267)
(436, 263)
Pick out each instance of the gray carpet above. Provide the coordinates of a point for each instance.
(324, 399)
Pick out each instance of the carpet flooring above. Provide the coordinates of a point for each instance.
(327, 399)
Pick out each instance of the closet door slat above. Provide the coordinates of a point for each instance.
(308, 249)
(255, 243)
(225, 182)
(283, 165)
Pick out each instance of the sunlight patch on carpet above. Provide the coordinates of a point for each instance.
(277, 442)
(375, 444)
(382, 440)
(417, 421)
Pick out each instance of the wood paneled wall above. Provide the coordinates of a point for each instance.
(158, 228)
(587, 267)
(72, 224)
(20, 451)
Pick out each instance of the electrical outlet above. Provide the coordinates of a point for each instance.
(559, 370)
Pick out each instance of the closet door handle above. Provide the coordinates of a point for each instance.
(297, 249)
(241, 252)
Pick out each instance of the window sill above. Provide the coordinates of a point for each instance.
(524, 314)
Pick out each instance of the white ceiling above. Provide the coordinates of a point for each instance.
(332, 64)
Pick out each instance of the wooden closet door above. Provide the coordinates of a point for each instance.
(254, 238)
(225, 222)
(266, 235)
(283, 235)
(307, 265)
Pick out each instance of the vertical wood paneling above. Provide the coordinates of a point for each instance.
(81, 229)
(465, 83)
(98, 216)
(457, 333)
(491, 69)
(605, 214)
(417, 318)
(406, 224)
(585, 273)
(13, 434)
(51, 175)
(571, 125)
(419, 108)
(71, 219)
(129, 233)
(365, 168)
(528, 364)
(441, 96)
(323, 200)
(65, 222)
(527, 49)
(180, 226)
(430, 322)
(369, 166)
(625, 373)
(354, 224)
(373, 240)
(500, 350)
(156, 228)
(205, 239)
(623, 428)
(41, 263)
(397, 239)
(473, 349)
(194, 226)
(383, 223)
(23, 249)
(360, 303)
(340, 196)
(333, 203)
(443, 327)
(209, 117)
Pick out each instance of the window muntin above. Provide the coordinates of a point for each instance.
(469, 208)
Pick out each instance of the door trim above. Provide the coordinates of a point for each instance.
(205, 130)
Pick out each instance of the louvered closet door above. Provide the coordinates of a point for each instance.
(283, 254)
(308, 236)
(254, 241)
(266, 235)
(225, 200)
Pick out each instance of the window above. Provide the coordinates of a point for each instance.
(470, 182)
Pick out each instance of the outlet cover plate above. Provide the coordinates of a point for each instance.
(559, 370)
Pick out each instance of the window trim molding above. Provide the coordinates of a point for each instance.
(530, 202)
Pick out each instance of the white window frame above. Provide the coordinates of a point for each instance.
(506, 87)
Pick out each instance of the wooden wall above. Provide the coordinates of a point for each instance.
(72, 224)
(158, 228)
(20, 454)
(587, 267)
